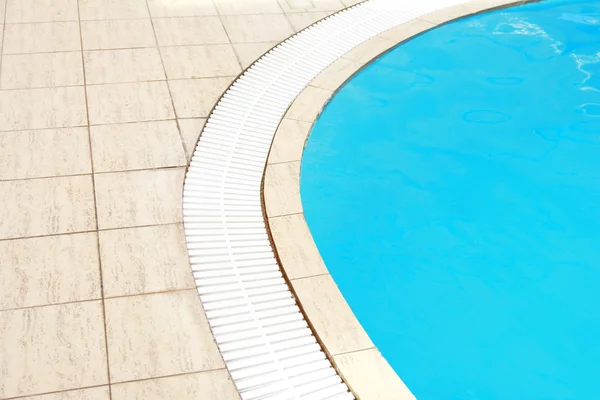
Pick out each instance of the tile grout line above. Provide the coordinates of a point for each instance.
(115, 83)
(189, 160)
(228, 39)
(87, 110)
(139, 48)
(3, 39)
(28, 396)
(118, 228)
(107, 124)
(73, 21)
(121, 296)
(162, 62)
(287, 19)
(120, 171)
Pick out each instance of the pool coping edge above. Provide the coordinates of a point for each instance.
(341, 335)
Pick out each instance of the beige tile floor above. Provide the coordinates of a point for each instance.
(101, 104)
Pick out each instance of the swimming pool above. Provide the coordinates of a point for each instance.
(452, 189)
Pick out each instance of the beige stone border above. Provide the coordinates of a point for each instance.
(341, 335)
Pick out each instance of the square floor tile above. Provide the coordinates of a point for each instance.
(232, 7)
(200, 61)
(289, 140)
(53, 348)
(18, 11)
(41, 70)
(332, 77)
(301, 20)
(369, 50)
(125, 65)
(371, 376)
(189, 31)
(145, 260)
(407, 30)
(282, 189)
(41, 37)
(257, 28)
(215, 385)
(44, 153)
(129, 102)
(159, 334)
(141, 145)
(128, 199)
(48, 206)
(121, 34)
(190, 131)
(296, 247)
(249, 52)
(331, 316)
(112, 9)
(97, 393)
(291, 6)
(309, 104)
(181, 8)
(196, 97)
(49, 270)
(42, 108)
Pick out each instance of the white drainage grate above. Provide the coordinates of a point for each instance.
(267, 346)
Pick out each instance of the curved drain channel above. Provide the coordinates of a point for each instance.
(267, 345)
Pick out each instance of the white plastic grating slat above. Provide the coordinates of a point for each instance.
(266, 344)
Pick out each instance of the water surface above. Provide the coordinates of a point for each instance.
(453, 189)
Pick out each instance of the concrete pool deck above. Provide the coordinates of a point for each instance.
(101, 105)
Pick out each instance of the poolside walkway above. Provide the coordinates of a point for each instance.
(101, 104)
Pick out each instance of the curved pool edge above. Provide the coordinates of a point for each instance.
(342, 337)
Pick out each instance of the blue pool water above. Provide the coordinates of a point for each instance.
(453, 189)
